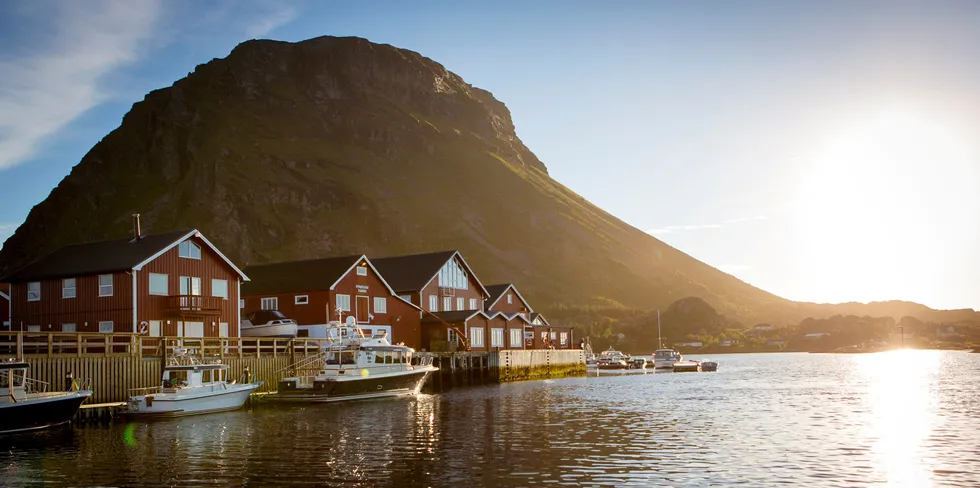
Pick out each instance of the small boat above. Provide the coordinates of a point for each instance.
(191, 388)
(638, 363)
(709, 365)
(25, 403)
(613, 359)
(268, 323)
(666, 358)
(687, 367)
(356, 367)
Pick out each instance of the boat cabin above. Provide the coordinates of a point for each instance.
(192, 376)
(13, 382)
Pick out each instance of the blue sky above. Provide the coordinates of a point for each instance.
(824, 151)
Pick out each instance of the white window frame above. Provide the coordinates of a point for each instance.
(447, 304)
(189, 289)
(166, 283)
(301, 300)
(106, 324)
(65, 288)
(103, 288)
(563, 339)
(383, 302)
(433, 303)
(225, 282)
(73, 327)
(362, 271)
(554, 336)
(517, 334)
(36, 293)
(476, 336)
(496, 337)
(510, 298)
(188, 249)
(343, 302)
(473, 305)
(460, 303)
(269, 303)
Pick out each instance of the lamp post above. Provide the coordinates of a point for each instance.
(901, 330)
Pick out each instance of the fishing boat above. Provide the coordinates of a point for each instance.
(268, 323)
(25, 403)
(190, 387)
(664, 358)
(356, 366)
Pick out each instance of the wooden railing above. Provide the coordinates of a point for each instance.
(194, 305)
(61, 344)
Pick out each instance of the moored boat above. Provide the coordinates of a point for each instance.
(191, 388)
(268, 323)
(708, 365)
(613, 359)
(666, 358)
(357, 367)
(26, 405)
(687, 367)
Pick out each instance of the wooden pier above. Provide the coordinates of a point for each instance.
(113, 364)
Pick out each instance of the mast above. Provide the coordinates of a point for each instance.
(660, 338)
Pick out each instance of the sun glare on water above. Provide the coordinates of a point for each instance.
(902, 399)
(875, 208)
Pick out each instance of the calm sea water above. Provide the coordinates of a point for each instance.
(904, 418)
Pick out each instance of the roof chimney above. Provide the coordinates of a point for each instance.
(136, 227)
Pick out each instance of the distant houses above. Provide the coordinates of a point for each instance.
(180, 284)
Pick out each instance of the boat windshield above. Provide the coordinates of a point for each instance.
(665, 354)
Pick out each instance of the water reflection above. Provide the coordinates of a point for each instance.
(896, 419)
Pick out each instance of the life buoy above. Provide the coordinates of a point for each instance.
(144, 328)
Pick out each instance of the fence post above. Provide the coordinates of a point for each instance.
(50, 344)
(20, 346)
(107, 345)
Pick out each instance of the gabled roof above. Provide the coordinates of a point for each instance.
(413, 272)
(535, 315)
(4, 295)
(307, 275)
(498, 291)
(108, 256)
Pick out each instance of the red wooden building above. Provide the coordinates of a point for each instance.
(311, 292)
(538, 333)
(5, 306)
(174, 284)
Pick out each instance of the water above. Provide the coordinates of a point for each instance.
(905, 418)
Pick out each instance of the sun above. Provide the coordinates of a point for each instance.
(874, 207)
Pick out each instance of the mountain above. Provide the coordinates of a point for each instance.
(336, 146)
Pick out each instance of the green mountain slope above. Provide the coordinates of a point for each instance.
(334, 146)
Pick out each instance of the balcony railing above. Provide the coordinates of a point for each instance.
(187, 305)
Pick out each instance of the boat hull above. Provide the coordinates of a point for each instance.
(40, 413)
(172, 405)
(687, 367)
(280, 330)
(355, 388)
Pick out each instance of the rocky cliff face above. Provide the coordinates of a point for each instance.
(334, 146)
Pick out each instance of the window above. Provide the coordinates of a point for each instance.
(219, 288)
(447, 304)
(270, 303)
(190, 285)
(476, 336)
(380, 305)
(159, 284)
(433, 303)
(34, 291)
(68, 288)
(564, 339)
(241, 304)
(68, 328)
(496, 337)
(407, 298)
(554, 336)
(515, 338)
(343, 302)
(105, 286)
(452, 275)
(188, 249)
(460, 304)
(362, 270)
(301, 300)
(510, 299)
(105, 327)
(473, 304)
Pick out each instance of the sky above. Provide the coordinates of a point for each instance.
(822, 151)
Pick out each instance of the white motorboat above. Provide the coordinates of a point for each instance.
(25, 403)
(357, 366)
(613, 359)
(191, 388)
(268, 323)
(666, 358)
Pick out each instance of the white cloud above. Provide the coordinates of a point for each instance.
(42, 90)
(269, 22)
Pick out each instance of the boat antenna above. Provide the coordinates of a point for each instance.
(660, 338)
